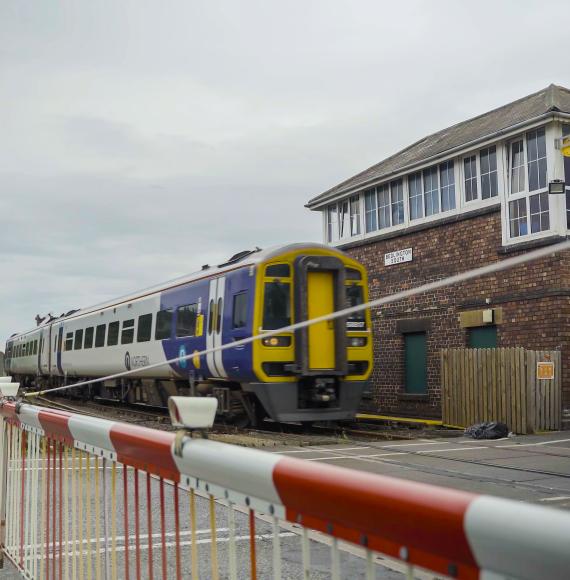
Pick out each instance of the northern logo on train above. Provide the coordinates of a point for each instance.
(128, 361)
(182, 353)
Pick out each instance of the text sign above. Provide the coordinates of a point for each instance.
(398, 257)
(545, 371)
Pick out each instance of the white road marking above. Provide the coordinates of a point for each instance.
(414, 444)
(559, 498)
(320, 449)
(534, 444)
(335, 457)
(454, 449)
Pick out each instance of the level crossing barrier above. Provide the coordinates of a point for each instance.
(83, 497)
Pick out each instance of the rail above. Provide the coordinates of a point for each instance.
(83, 497)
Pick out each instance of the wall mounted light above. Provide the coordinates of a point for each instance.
(556, 187)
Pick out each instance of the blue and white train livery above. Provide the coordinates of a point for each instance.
(317, 373)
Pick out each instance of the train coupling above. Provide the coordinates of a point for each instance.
(323, 391)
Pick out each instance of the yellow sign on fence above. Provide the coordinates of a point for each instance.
(545, 371)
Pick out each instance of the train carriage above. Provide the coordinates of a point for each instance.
(316, 373)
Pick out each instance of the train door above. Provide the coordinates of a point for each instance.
(320, 301)
(40, 346)
(320, 290)
(215, 323)
(56, 348)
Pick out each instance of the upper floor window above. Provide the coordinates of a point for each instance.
(447, 180)
(343, 219)
(431, 191)
(489, 185)
(355, 215)
(470, 171)
(416, 198)
(332, 219)
(529, 207)
(480, 175)
(397, 201)
(384, 206)
(370, 210)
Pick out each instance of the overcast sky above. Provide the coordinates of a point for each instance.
(140, 140)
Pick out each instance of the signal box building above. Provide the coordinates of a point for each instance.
(472, 194)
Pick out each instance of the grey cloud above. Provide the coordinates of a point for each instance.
(138, 142)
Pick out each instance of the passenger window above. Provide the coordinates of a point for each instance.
(211, 317)
(128, 333)
(219, 312)
(186, 320)
(100, 335)
(163, 324)
(78, 339)
(239, 316)
(144, 328)
(35, 347)
(69, 341)
(113, 334)
(88, 337)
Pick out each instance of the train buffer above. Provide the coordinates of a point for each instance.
(83, 497)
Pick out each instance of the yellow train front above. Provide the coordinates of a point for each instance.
(317, 373)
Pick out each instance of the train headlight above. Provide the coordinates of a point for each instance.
(276, 341)
(357, 341)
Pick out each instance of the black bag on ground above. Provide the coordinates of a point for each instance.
(490, 430)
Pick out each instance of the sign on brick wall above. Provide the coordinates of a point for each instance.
(398, 257)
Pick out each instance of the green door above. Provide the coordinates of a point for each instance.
(483, 337)
(416, 363)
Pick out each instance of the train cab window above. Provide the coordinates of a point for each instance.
(276, 305)
(113, 334)
(163, 324)
(355, 297)
(278, 271)
(144, 328)
(239, 316)
(35, 347)
(186, 320)
(128, 333)
(78, 339)
(69, 341)
(88, 337)
(100, 336)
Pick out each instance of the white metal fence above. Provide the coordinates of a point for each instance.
(89, 498)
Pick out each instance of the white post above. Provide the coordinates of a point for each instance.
(3, 452)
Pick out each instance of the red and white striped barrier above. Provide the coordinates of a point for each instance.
(448, 532)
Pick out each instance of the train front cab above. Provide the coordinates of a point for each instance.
(320, 372)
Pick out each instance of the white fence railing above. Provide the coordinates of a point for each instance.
(89, 498)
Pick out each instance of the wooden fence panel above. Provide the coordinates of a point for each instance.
(500, 384)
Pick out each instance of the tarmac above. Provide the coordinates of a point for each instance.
(533, 468)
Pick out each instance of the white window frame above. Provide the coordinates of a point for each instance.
(479, 201)
(525, 193)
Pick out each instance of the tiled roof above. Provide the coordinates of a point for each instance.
(551, 99)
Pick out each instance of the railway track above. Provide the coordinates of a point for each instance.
(158, 417)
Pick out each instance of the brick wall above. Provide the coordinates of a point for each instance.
(535, 299)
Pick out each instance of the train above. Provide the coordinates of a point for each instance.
(317, 373)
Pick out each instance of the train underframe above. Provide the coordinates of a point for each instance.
(308, 399)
